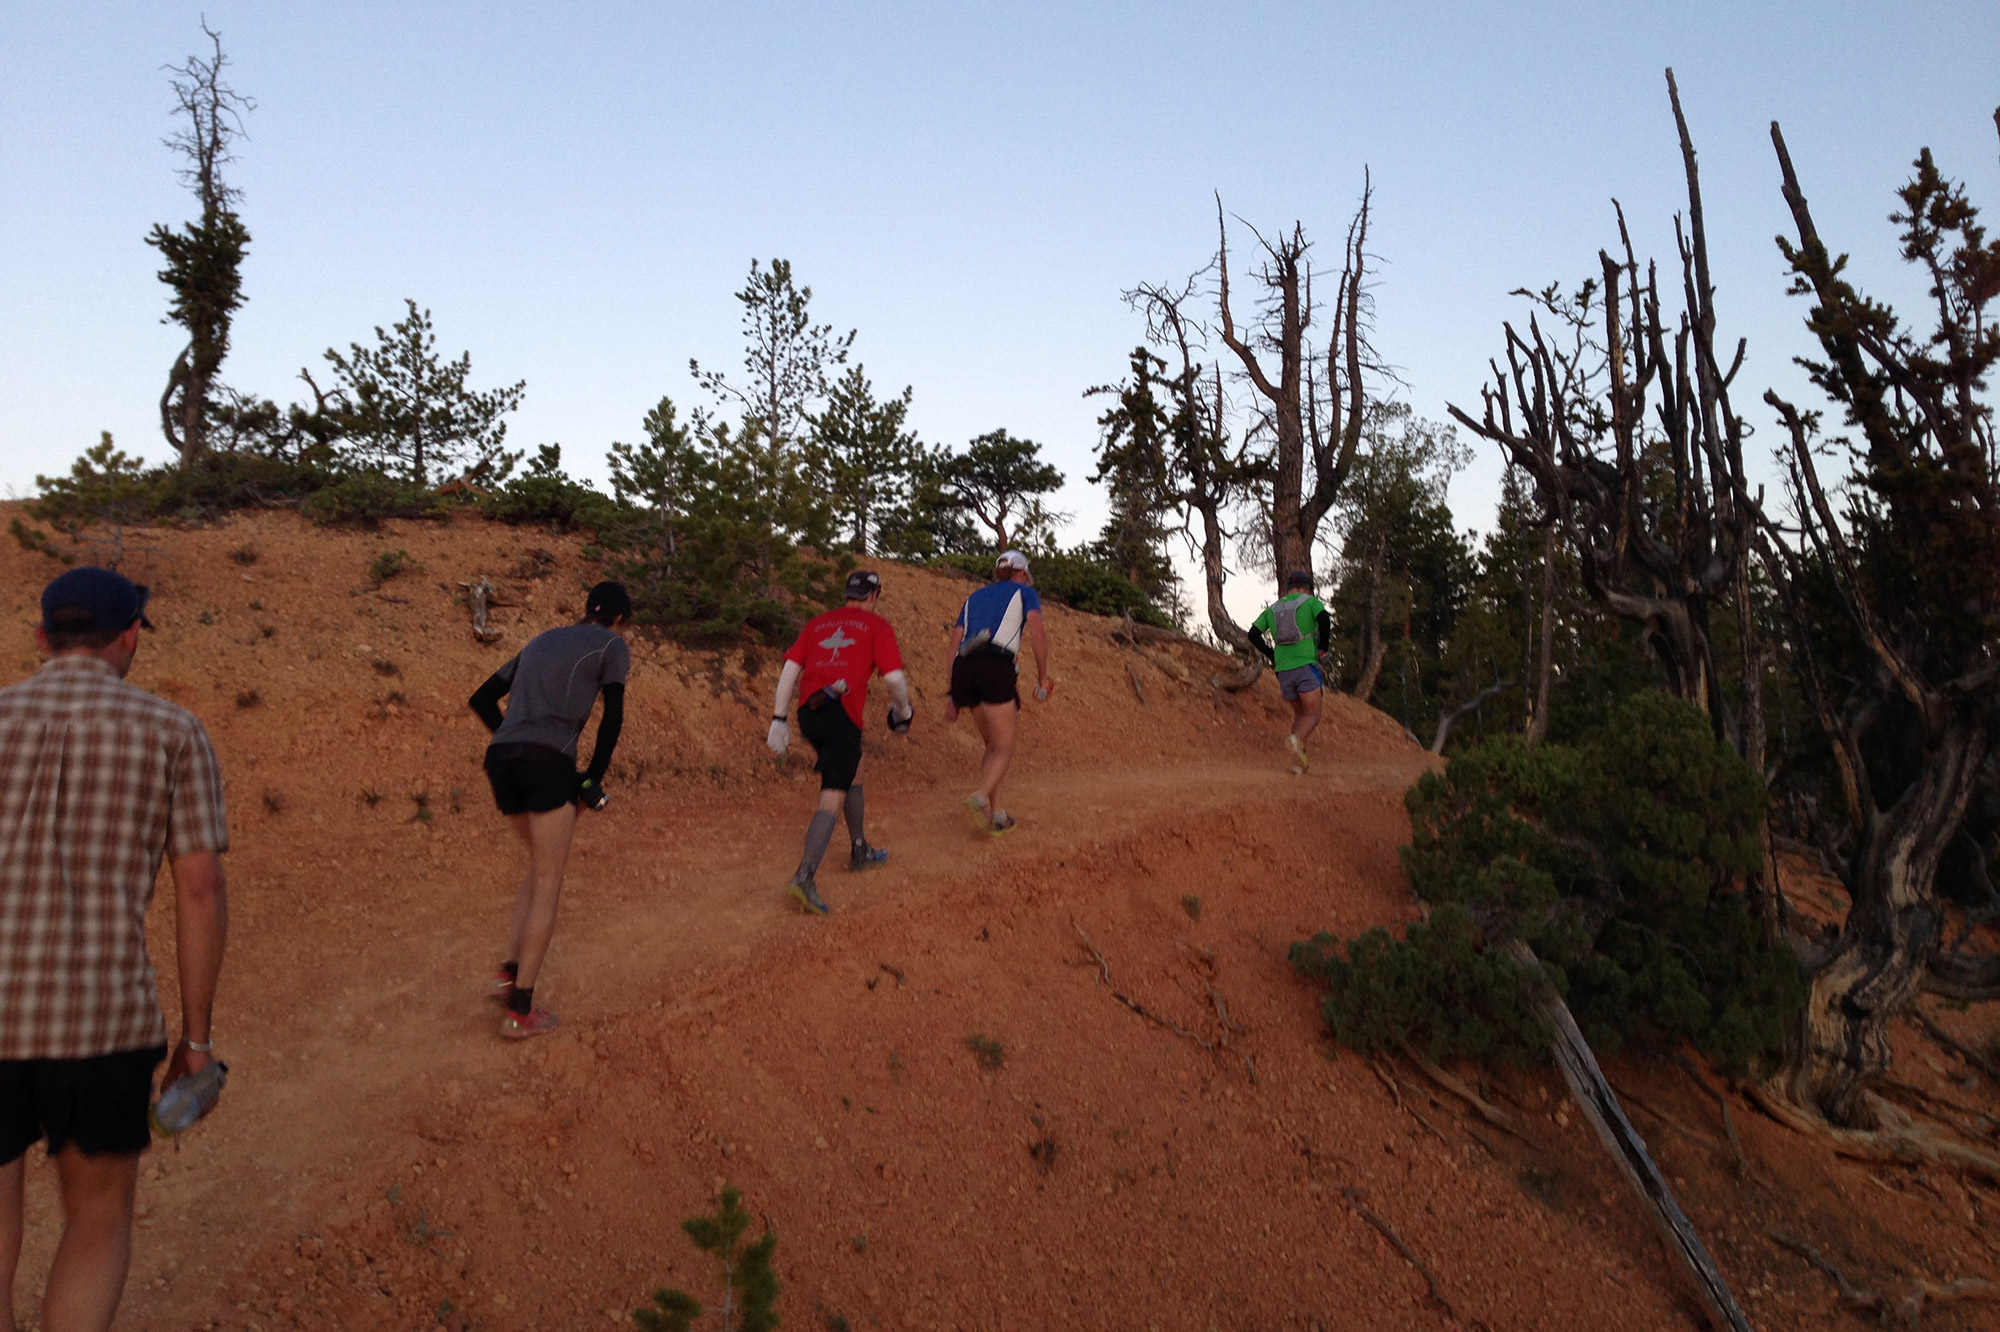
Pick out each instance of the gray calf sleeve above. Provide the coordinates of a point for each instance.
(854, 814)
(818, 833)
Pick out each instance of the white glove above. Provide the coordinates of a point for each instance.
(779, 738)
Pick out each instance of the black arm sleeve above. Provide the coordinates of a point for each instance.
(1323, 633)
(486, 700)
(608, 727)
(1263, 645)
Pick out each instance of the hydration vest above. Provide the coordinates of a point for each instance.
(1285, 627)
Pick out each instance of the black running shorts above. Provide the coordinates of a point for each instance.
(837, 740)
(984, 676)
(530, 779)
(99, 1103)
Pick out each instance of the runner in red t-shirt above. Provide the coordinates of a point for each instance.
(829, 665)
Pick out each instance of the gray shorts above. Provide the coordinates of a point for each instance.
(1304, 679)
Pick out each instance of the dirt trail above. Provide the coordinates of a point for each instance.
(381, 1159)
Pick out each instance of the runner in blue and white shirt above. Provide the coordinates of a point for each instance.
(985, 647)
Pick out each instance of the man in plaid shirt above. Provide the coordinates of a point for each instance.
(98, 781)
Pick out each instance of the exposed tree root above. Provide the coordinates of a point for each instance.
(1910, 1309)
(1388, 1080)
(1945, 1041)
(1104, 972)
(1740, 1158)
(1858, 1298)
(1137, 688)
(1354, 1199)
(1458, 1087)
(1900, 1137)
(1688, 1131)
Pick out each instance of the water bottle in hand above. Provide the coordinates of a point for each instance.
(188, 1098)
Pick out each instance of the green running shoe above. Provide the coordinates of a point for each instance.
(807, 896)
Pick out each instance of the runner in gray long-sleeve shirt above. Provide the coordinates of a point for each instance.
(551, 687)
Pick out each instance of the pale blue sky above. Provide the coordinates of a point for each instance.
(575, 191)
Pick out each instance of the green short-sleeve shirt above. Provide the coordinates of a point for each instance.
(1305, 652)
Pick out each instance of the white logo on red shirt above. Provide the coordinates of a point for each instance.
(838, 641)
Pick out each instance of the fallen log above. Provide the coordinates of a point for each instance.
(1599, 1103)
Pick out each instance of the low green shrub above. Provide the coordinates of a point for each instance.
(1618, 861)
(364, 499)
(1073, 579)
(545, 494)
(750, 1285)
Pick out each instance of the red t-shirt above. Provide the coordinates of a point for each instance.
(847, 644)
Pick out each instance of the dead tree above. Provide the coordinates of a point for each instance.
(1660, 513)
(1892, 590)
(1313, 399)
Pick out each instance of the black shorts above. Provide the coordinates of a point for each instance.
(530, 779)
(99, 1103)
(984, 676)
(837, 740)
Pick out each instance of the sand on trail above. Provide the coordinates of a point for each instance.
(382, 1160)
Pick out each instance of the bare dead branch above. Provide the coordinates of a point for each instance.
(1354, 1199)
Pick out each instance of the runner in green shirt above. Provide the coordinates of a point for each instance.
(1293, 633)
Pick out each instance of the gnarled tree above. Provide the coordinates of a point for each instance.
(1660, 510)
(1892, 587)
(1173, 426)
(205, 257)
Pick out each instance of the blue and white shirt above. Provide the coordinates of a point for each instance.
(998, 612)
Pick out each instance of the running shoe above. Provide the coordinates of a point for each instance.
(1002, 823)
(503, 983)
(520, 1026)
(1300, 763)
(807, 896)
(977, 812)
(861, 856)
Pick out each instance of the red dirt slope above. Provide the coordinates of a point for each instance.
(382, 1160)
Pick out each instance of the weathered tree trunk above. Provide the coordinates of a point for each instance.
(1893, 930)
(1374, 648)
(1214, 574)
(1310, 422)
(1538, 717)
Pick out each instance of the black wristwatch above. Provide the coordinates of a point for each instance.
(778, 718)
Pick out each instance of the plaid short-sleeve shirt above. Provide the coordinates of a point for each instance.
(98, 780)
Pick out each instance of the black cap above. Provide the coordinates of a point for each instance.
(863, 583)
(608, 598)
(1298, 578)
(93, 600)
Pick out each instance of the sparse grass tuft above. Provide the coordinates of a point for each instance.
(274, 802)
(1192, 905)
(244, 555)
(389, 564)
(248, 698)
(990, 1054)
(1043, 1151)
(371, 798)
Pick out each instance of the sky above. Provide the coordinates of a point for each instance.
(575, 191)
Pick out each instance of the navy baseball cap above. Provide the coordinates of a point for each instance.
(90, 600)
(1298, 578)
(608, 598)
(863, 583)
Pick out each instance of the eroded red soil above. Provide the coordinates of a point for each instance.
(382, 1160)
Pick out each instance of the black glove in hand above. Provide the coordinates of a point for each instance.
(592, 795)
(900, 724)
